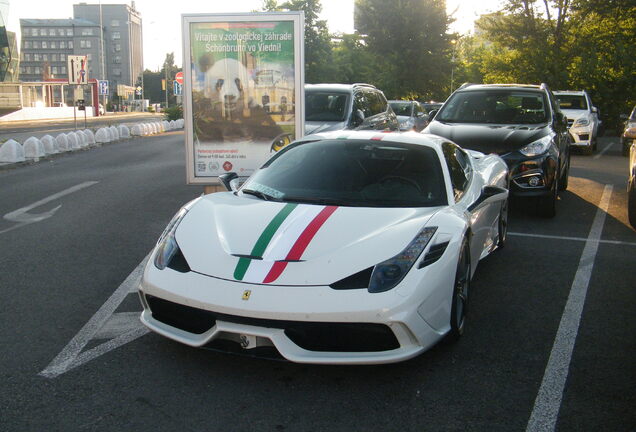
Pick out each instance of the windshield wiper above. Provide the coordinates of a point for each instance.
(261, 195)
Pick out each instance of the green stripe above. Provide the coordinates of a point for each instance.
(263, 240)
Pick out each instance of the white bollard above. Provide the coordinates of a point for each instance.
(102, 136)
(136, 130)
(90, 136)
(114, 133)
(33, 148)
(62, 142)
(11, 152)
(124, 132)
(73, 141)
(50, 145)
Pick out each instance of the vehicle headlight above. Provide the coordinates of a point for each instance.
(630, 132)
(582, 121)
(167, 246)
(536, 148)
(407, 124)
(389, 273)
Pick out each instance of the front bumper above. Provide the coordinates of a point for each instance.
(531, 177)
(581, 136)
(305, 324)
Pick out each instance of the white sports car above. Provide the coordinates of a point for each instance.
(344, 248)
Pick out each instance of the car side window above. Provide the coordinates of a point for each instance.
(379, 104)
(361, 102)
(458, 167)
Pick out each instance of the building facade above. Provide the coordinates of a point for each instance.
(123, 53)
(46, 43)
(8, 48)
(108, 34)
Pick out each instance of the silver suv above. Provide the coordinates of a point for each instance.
(583, 118)
(330, 107)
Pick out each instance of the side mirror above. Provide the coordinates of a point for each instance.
(594, 110)
(432, 114)
(230, 181)
(489, 195)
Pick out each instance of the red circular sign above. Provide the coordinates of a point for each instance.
(179, 77)
(227, 166)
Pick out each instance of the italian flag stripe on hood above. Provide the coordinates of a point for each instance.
(284, 239)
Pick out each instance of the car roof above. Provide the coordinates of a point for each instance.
(476, 87)
(572, 92)
(336, 87)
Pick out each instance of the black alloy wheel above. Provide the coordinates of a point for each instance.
(503, 225)
(565, 176)
(459, 306)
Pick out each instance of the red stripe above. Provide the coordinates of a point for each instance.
(301, 244)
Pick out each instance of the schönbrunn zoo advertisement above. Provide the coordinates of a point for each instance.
(243, 90)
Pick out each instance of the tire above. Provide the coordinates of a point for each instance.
(546, 205)
(461, 289)
(565, 176)
(625, 147)
(502, 225)
(631, 203)
(587, 150)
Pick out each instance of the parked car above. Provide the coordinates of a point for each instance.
(628, 136)
(432, 105)
(631, 186)
(331, 107)
(521, 123)
(410, 114)
(346, 248)
(583, 119)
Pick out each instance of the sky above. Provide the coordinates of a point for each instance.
(162, 19)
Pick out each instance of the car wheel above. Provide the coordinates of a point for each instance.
(625, 147)
(595, 146)
(563, 181)
(588, 150)
(503, 225)
(461, 287)
(546, 205)
(631, 203)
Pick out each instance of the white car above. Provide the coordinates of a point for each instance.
(344, 248)
(583, 119)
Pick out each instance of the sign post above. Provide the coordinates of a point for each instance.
(243, 97)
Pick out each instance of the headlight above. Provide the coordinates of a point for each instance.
(167, 245)
(582, 121)
(407, 124)
(536, 148)
(389, 273)
(630, 132)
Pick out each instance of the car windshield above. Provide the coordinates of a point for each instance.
(572, 102)
(402, 108)
(326, 106)
(494, 106)
(352, 173)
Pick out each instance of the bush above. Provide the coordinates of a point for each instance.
(173, 113)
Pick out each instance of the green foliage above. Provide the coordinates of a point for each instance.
(173, 113)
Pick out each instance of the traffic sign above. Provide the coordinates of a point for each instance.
(178, 88)
(77, 69)
(179, 77)
(103, 88)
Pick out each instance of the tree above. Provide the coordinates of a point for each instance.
(318, 49)
(409, 41)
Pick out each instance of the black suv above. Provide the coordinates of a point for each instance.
(330, 107)
(521, 123)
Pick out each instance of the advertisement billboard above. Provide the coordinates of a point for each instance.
(243, 90)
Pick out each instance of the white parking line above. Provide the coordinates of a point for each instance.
(548, 402)
(553, 237)
(602, 152)
(72, 356)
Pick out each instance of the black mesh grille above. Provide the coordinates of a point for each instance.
(183, 317)
(312, 336)
(434, 253)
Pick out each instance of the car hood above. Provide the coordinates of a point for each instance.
(314, 127)
(249, 240)
(491, 138)
(575, 114)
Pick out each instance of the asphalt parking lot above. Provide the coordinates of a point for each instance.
(549, 342)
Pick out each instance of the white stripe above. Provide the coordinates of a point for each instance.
(282, 241)
(602, 152)
(67, 358)
(548, 402)
(546, 236)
